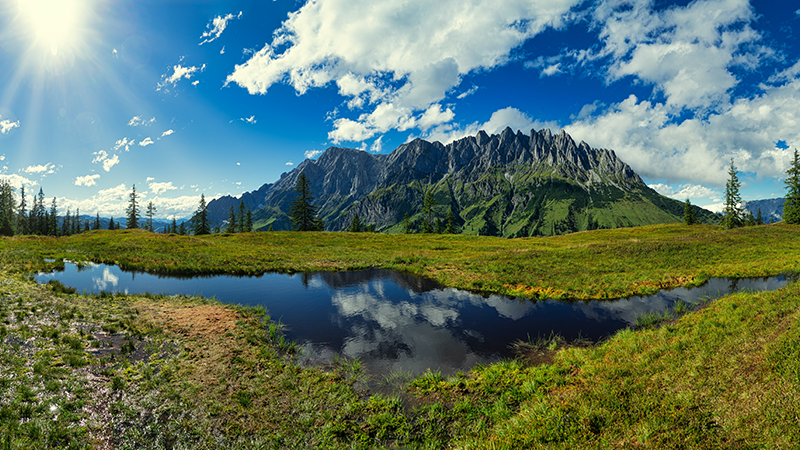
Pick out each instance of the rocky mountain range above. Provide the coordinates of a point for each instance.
(509, 184)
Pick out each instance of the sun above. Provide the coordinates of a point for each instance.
(56, 24)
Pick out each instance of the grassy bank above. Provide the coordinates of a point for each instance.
(597, 264)
(176, 372)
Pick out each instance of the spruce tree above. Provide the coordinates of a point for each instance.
(22, 213)
(66, 230)
(151, 211)
(111, 224)
(232, 226)
(7, 218)
(200, 218)
(40, 219)
(406, 223)
(303, 213)
(242, 225)
(791, 207)
(182, 229)
(428, 203)
(688, 213)
(52, 225)
(759, 218)
(451, 226)
(132, 212)
(248, 221)
(732, 213)
(76, 222)
(97, 221)
(355, 225)
(174, 226)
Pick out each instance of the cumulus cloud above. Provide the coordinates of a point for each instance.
(88, 180)
(685, 191)
(311, 154)
(7, 125)
(160, 188)
(178, 72)
(137, 121)
(147, 141)
(113, 202)
(124, 143)
(251, 119)
(47, 169)
(216, 27)
(377, 145)
(289, 163)
(500, 119)
(167, 133)
(401, 69)
(101, 157)
(17, 181)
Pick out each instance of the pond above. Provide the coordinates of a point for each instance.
(395, 322)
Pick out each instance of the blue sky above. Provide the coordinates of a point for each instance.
(186, 97)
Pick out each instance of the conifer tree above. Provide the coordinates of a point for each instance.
(151, 211)
(41, 223)
(791, 207)
(97, 221)
(355, 225)
(303, 213)
(22, 213)
(66, 229)
(270, 228)
(182, 229)
(242, 219)
(232, 226)
(132, 212)
(406, 223)
(7, 218)
(174, 227)
(200, 218)
(248, 221)
(76, 222)
(451, 226)
(427, 210)
(111, 224)
(759, 218)
(732, 213)
(749, 220)
(688, 213)
(52, 225)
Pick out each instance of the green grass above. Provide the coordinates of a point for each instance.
(121, 371)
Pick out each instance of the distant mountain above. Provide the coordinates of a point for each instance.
(508, 184)
(770, 208)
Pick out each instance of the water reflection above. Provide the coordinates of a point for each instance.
(393, 321)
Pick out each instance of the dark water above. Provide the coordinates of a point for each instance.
(394, 322)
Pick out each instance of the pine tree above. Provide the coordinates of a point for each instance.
(406, 223)
(759, 218)
(52, 223)
(174, 227)
(270, 228)
(303, 213)
(248, 221)
(200, 218)
(749, 220)
(791, 207)
(76, 222)
(132, 212)
(41, 224)
(451, 226)
(7, 218)
(732, 213)
(242, 219)
(111, 224)
(96, 222)
(151, 211)
(427, 210)
(22, 213)
(688, 213)
(66, 229)
(439, 226)
(232, 226)
(355, 225)
(182, 229)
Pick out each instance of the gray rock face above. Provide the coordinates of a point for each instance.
(346, 181)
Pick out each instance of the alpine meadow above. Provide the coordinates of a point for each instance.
(382, 225)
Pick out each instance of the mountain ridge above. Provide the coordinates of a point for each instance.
(509, 184)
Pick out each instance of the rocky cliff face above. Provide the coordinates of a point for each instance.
(508, 184)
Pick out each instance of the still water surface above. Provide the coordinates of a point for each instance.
(395, 322)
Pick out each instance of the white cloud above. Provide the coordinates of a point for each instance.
(6, 125)
(251, 119)
(88, 180)
(110, 162)
(149, 179)
(311, 154)
(377, 146)
(160, 188)
(403, 67)
(124, 143)
(17, 181)
(685, 191)
(222, 51)
(137, 121)
(167, 133)
(2, 157)
(48, 168)
(195, 82)
(468, 92)
(178, 72)
(500, 119)
(550, 70)
(147, 141)
(289, 163)
(216, 27)
(114, 201)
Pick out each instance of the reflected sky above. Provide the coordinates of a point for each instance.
(395, 322)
